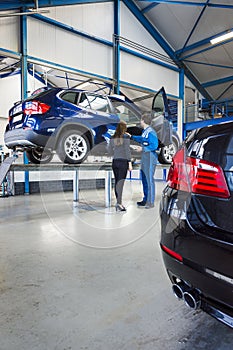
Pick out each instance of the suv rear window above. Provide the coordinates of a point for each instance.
(70, 96)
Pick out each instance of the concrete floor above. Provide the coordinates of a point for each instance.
(90, 278)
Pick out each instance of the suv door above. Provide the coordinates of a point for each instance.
(169, 139)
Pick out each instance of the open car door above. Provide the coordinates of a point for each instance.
(168, 138)
(160, 122)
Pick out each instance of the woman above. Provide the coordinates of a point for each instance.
(119, 148)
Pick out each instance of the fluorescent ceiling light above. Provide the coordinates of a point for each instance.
(220, 38)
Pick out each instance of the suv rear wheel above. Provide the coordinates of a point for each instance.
(39, 155)
(73, 147)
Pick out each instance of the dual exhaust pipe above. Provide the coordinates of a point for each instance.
(190, 295)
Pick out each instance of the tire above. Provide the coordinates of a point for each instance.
(167, 152)
(39, 155)
(73, 147)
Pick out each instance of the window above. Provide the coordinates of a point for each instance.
(158, 105)
(95, 102)
(125, 113)
(70, 96)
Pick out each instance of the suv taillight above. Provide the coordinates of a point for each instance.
(197, 176)
(35, 107)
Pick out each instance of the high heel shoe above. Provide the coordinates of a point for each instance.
(120, 207)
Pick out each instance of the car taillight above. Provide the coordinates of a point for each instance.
(35, 107)
(197, 176)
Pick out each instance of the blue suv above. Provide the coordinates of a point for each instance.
(71, 122)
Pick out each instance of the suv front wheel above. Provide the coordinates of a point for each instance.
(167, 152)
(73, 147)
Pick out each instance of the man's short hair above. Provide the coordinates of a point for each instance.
(146, 117)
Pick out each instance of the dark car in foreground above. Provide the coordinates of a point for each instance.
(197, 222)
(74, 122)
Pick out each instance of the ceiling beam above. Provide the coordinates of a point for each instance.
(16, 5)
(210, 64)
(223, 93)
(196, 23)
(203, 42)
(210, 47)
(218, 81)
(149, 7)
(190, 3)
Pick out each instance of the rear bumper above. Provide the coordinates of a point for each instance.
(216, 295)
(199, 255)
(24, 138)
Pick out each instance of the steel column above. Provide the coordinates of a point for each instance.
(180, 120)
(116, 47)
(24, 82)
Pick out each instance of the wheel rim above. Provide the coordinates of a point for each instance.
(75, 147)
(169, 152)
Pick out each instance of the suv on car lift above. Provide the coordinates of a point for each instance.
(197, 221)
(74, 122)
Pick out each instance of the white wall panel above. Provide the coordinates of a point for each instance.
(132, 29)
(59, 46)
(149, 75)
(12, 93)
(33, 84)
(9, 33)
(95, 19)
(3, 123)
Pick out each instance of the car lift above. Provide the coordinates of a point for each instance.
(7, 165)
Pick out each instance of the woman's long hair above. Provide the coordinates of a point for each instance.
(120, 130)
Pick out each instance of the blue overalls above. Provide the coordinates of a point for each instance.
(149, 142)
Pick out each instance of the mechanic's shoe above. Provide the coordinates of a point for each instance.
(149, 205)
(141, 204)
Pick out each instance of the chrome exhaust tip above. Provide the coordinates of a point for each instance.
(192, 299)
(178, 290)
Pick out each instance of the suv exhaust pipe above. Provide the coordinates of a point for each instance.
(190, 296)
(179, 289)
(192, 299)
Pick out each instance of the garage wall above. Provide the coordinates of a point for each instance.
(51, 43)
(9, 33)
(152, 76)
(3, 122)
(94, 19)
(132, 29)
(56, 45)
(10, 85)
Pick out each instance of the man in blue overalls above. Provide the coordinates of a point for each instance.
(149, 142)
